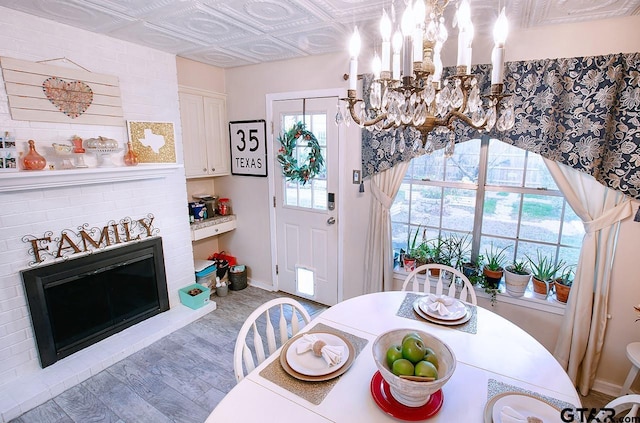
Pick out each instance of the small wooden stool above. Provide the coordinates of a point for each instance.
(633, 353)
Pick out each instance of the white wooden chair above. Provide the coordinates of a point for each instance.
(260, 321)
(449, 281)
(621, 404)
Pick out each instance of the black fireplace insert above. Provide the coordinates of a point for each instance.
(78, 302)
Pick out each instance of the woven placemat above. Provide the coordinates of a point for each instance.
(406, 310)
(496, 387)
(314, 392)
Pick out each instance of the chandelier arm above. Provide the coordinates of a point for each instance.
(357, 119)
(455, 114)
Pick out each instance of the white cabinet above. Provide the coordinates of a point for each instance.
(204, 133)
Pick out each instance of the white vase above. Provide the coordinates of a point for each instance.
(515, 283)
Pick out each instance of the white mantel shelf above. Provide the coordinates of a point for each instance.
(25, 180)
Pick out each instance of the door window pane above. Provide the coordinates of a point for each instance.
(312, 194)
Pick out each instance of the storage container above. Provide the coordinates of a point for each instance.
(224, 206)
(194, 301)
(238, 277)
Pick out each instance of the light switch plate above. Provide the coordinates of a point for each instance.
(356, 177)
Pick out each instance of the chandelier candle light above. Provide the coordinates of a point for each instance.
(411, 93)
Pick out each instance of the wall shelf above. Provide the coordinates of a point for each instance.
(25, 180)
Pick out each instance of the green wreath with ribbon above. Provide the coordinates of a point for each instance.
(291, 169)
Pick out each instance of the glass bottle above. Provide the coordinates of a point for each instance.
(130, 157)
(32, 160)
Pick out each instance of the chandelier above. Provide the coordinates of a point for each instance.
(415, 95)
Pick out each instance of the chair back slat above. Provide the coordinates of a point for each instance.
(257, 344)
(243, 355)
(271, 334)
(439, 284)
(248, 358)
(295, 324)
(283, 326)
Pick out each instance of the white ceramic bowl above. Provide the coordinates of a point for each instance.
(408, 392)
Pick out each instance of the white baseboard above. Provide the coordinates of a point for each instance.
(607, 388)
(262, 285)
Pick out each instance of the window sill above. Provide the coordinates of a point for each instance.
(529, 300)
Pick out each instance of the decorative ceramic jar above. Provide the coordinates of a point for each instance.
(32, 160)
(130, 157)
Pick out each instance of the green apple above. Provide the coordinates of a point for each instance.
(431, 357)
(393, 353)
(413, 349)
(402, 367)
(426, 369)
(411, 335)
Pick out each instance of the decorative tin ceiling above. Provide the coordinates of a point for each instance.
(229, 33)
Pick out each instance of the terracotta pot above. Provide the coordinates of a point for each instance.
(540, 288)
(493, 277)
(562, 292)
(420, 262)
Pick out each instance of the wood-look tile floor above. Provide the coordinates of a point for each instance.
(179, 378)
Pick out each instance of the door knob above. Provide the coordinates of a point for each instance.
(331, 220)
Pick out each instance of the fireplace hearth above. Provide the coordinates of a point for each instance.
(78, 302)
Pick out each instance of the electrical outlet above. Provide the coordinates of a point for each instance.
(356, 177)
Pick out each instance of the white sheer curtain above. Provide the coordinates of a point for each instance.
(378, 265)
(582, 331)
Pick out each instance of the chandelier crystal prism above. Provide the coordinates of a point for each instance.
(412, 93)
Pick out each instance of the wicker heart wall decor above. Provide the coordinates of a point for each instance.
(71, 98)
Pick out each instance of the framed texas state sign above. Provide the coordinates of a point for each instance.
(248, 147)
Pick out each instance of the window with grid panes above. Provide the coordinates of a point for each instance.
(492, 192)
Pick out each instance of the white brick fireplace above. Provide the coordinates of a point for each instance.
(149, 92)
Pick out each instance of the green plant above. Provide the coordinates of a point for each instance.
(495, 257)
(411, 244)
(459, 249)
(543, 267)
(439, 251)
(566, 277)
(473, 271)
(519, 267)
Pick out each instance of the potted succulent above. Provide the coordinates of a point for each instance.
(459, 249)
(493, 270)
(543, 272)
(473, 270)
(563, 284)
(439, 252)
(516, 278)
(409, 258)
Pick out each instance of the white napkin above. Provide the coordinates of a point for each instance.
(331, 354)
(439, 304)
(509, 415)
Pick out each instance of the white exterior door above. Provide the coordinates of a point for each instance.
(305, 221)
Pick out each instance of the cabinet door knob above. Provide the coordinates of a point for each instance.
(213, 169)
(204, 169)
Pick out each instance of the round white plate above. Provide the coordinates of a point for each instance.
(527, 406)
(416, 307)
(457, 310)
(311, 365)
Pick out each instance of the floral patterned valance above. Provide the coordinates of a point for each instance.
(582, 112)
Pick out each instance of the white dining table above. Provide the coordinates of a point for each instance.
(498, 350)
